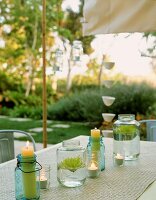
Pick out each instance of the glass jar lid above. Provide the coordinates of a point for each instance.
(126, 117)
(69, 143)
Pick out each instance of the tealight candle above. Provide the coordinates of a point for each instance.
(43, 180)
(93, 170)
(119, 159)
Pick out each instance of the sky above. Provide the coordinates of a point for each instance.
(124, 51)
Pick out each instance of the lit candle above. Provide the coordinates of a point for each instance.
(28, 165)
(119, 159)
(95, 133)
(93, 170)
(95, 136)
(27, 151)
(43, 180)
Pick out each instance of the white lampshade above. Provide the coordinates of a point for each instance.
(108, 117)
(109, 65)
(107, 133)
(108, 100)
(108, 83)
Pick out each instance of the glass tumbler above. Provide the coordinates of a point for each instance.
(93, 164)
(45, 177)
(71, 164)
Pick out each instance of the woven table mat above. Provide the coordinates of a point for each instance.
(114, 183)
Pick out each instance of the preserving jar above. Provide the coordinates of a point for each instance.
(126, 136)
(71, 164)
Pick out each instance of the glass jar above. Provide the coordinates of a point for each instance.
(71, 164)
(93, 164)
(102, 152)
(58, 61)
(126, 134)
(77, 50)
(27, 173)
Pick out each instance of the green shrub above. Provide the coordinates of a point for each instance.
(87, 105)
(27, 111)
(9, 82)
(151, 114)
(4, 111)
(81, 106)
(19, 98)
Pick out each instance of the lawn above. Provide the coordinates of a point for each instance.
(59, 130)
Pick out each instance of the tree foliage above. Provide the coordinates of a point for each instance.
(21, 30)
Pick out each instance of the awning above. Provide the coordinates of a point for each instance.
(118, 16)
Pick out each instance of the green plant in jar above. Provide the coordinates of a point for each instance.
(127, 132)
(71, 164)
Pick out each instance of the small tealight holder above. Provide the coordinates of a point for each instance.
(119, 160)
(93, 164)
(45, 177)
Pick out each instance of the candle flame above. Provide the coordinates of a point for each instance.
(93, 166)
(27, 144)
(118, 156)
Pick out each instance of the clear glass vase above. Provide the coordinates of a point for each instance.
(71, 164)
(126, 134)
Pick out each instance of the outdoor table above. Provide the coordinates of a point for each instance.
(124, 183)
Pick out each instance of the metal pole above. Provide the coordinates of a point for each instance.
(44, 96)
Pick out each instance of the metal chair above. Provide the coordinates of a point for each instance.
(150, 128)
(7, 144)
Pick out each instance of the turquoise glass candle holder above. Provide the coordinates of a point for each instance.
(27, 173)
(102, 151)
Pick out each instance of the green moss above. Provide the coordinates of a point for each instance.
(71, 164)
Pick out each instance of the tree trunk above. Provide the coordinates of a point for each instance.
(30, 60)
(69, 79)
(54, 84)
(30, 76)
(100, 72)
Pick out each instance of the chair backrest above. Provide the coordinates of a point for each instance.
(150, 129)
(7, 144)
(153, 133)
(6, 147)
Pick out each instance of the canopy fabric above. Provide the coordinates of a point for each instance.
(118, 16)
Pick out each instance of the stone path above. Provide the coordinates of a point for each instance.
(40, 129)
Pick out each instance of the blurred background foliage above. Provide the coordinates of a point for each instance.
(21, 69)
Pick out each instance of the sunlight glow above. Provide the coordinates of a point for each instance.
(74, 5)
